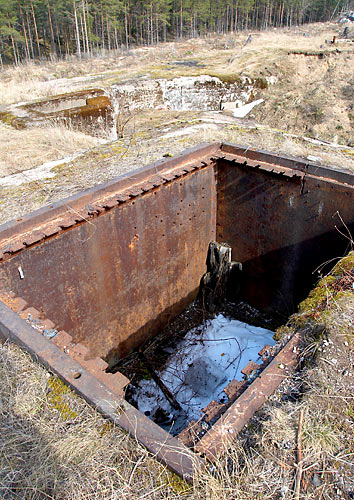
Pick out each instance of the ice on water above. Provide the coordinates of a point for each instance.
(204, 362)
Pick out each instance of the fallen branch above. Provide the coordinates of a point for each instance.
(169, 396)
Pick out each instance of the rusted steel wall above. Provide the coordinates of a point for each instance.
(281, 226)
(113, 264)
(114, 281)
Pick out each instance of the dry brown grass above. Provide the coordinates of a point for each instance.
(312, 97)
(144, 145)
(31, 81)
(224, 55)
(52, 445)
(24, 149)
(274, 140)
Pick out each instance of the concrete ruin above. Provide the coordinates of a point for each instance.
(84, 109)
(88, 110)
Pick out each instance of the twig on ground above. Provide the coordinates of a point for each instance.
(299, 456)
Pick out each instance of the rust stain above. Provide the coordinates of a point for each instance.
(135, 239)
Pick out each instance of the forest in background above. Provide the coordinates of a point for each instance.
(47, 29)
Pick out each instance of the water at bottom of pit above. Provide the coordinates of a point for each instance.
(197, 369)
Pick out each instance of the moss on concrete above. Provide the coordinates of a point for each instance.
(57, 391)
(12, 120)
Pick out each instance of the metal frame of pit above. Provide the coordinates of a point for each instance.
(16, 236)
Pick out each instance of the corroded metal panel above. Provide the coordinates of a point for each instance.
(114, 280)
(282, 224)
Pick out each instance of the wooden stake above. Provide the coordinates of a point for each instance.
(215, 281)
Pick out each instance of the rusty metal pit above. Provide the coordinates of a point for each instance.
(89, 279)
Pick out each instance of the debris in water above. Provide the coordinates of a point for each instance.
(203, 364)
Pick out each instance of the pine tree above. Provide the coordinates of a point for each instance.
(36, 29)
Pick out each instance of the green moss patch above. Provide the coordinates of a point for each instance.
(315, 310)
(337, 285)
(57, 395)
(12, 120)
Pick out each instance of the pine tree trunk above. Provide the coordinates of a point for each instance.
(116, 38)
(67, 45)
(157, 28)
(85, 37)
(51, 28)
(129, 22)
(78, 46)
(82, 33)
(14, 50)
(57, 33)
(88, 28)
(108, 33)
(126, 26)
(30, 35)
(28, 57)
(102, 29)
(151, 28)
(35, 30)
(181, 20)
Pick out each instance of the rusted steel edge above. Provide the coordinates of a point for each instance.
(162, 445)
(262, 166)
(295, 163)
(115, 382)
(49, 221)
(120, 183)
(214, 443)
